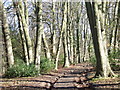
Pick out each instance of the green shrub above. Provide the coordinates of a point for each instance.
(16, 44)
(19, 61)
(46, 66)
(114, 58)
(61, 62)
(93, 60)
(115, 64)
(20, 69)
(115, 67)
(114, 55)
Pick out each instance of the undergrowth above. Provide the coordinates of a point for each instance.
(21, 69)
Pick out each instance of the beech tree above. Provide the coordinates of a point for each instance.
(39, 32)
(64, 28)
(1, 48)
(96, 15)
(6, 36)
(23, 17)
(112, 21)
(53, 30)
(22, 35)
(46, 47)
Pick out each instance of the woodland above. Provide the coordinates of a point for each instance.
(59, 45)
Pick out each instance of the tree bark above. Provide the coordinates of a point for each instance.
(78, 37)
(39, 32)
(47, 49)
(70, 28)
(26, 31)
(26, 11)
(114, 29)
(22, 35)
(96, 20)
(2, 53)
(58, 50)
(7, 39)
(117, 31)
(54, 31)
(59, 46)
(64, 28)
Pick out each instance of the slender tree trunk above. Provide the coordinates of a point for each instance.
(74, 44)
(39, 32)
(64, 28)
(26, 11)
(7, 39)
(114, 29)
(47, 49)
(117, 28)
(68, 42)
(78, 37)
(70, 27)
(23, 42)
(59, 46)
(22, 35)
(68, 30)
(20, 8)
(58, 50)
(2, 53)
(54, 31)
(71, 43)
(84, 43)
(89, 47)
(26, 32)
(78, 49)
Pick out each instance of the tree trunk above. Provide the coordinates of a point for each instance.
(23, 41)
(84, 43)
(58, 50)
(96, 20)
(70, 27)
(26, 11)
(47, 49)
(20, 9)
(54, 31)
(78, 37)
(22, 35)
(2, 65)
(74, 45)
(7, 39)
(39, 32)
(114, 25)
(117, 31)
(71, 44)
(64, 28)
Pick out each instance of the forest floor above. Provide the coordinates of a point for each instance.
(76, 77)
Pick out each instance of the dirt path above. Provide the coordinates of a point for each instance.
(72, 78)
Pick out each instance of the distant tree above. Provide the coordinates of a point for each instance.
(53, 29)
(39, 32)
(113, 25)
(46, 47)
(64, 28)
